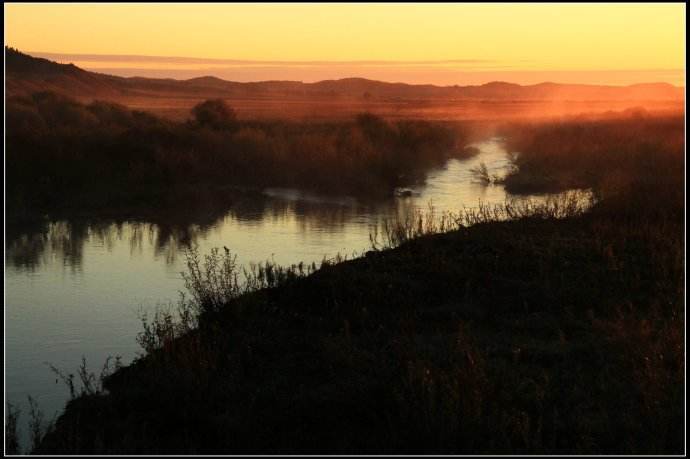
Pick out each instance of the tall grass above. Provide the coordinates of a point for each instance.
(211, 283)
(626, 160)
(91, 384)
(218, 280)
(393, 232)
(37, 425)
(481, 174)
(12, 429)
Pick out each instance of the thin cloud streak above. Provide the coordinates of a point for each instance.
(60, 57)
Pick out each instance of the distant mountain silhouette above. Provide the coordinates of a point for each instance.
(26, 74)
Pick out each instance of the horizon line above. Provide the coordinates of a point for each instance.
(133, 58)
(278, 80)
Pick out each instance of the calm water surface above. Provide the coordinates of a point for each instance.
(76, 288)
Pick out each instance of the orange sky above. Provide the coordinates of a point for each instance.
(416, 43)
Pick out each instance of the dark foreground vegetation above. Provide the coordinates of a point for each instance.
(64, 155)
(519, 329)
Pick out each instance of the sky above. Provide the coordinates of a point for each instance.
(442, 43)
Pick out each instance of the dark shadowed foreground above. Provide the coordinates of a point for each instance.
(541, 335)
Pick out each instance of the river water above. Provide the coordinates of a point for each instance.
(75, 288)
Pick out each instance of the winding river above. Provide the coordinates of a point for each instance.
(75, 288)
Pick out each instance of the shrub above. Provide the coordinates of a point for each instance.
(215, 114)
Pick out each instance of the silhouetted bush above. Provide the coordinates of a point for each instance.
(215, 114)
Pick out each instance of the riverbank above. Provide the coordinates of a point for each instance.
(63, 155)
(538, 335)
(627, 152)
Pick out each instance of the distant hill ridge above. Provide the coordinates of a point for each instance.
(25, 74)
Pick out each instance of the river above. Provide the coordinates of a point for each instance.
(76, 288)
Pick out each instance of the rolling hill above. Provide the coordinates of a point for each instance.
(25, 74)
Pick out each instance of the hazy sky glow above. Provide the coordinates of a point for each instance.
(419, 43)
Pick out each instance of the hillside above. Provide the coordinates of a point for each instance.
(25, 74)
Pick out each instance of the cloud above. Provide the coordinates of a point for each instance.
(117, 58)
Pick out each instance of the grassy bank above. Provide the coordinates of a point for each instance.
(555, 332)
(617, 155)
(62, 155)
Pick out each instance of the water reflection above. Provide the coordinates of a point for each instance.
(30, 248)
(292, 217)
(35, 247)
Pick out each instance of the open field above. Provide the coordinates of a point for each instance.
(256, 109)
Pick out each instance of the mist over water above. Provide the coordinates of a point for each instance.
(75, 287)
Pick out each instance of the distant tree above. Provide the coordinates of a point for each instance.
(214, 113)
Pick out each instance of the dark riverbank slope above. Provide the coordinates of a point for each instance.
(538, 335)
